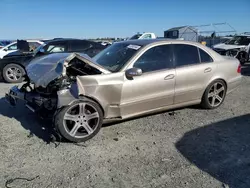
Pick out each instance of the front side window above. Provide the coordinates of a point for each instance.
(205, 58)
(13, 47)
(185, 55)
(156, 58)
(56, 47)
(147, 36)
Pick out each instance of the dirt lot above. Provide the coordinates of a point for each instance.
(188, 148)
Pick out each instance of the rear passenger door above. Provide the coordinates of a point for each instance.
(194, 69)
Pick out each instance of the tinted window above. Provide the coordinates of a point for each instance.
(156, 58)
(55, 47)
(79, 45)
(13, 47)
(205, 58)
(186, 55)
(246, 41)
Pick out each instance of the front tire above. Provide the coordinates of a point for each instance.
(13, 73)
(214, 95)
(80, 121)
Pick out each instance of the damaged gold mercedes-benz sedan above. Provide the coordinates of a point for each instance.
(127, 79)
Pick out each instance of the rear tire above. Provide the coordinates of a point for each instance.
(79, 121)
(13, 73)
(214, 95)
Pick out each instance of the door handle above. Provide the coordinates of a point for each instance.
(169, 77)
(207, 70)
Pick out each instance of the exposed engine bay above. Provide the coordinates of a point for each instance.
(45, 78)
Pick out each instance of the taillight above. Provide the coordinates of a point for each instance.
(239, 68)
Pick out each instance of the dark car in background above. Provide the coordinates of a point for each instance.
(4, 43)
(12, 66)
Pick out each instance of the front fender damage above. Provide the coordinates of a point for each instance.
(106, 93)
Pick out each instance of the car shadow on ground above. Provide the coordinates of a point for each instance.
(28, 120)
(245, 69)
(221, 149)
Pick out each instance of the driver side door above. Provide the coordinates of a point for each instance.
(155, 87)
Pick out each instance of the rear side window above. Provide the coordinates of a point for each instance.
(76, 46)
(55, 47)
(205, 58)
(186, 55)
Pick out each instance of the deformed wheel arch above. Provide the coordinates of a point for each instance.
(81, 97)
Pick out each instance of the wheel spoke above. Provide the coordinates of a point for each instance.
(14, 77)
(213, 101)
(220, 90)
(10, 70)
(82, 109)
(10, 75)
(218, 98)
(70, 117)
(210, 95)
(74, 129)
(92, 116)
(215, 86)
(87, 128)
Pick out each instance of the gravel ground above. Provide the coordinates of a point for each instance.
(189, 147)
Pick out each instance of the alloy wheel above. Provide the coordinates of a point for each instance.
(81, 120)
(216, 94)
(14, 73)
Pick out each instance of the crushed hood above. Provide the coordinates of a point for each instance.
(42, 70)
(227, 46)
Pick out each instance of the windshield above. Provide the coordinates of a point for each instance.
(239, 40)
(114, 57)
(136, 36)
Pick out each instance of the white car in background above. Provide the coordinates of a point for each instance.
(143, 36)
(33, 44)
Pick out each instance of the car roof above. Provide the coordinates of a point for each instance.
(64, 39)
(145, 42)
(159, 41)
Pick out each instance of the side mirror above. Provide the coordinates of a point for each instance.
(41, 50)
(133, 72)
(5, 49)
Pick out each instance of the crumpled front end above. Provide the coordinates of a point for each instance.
(53, 81)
